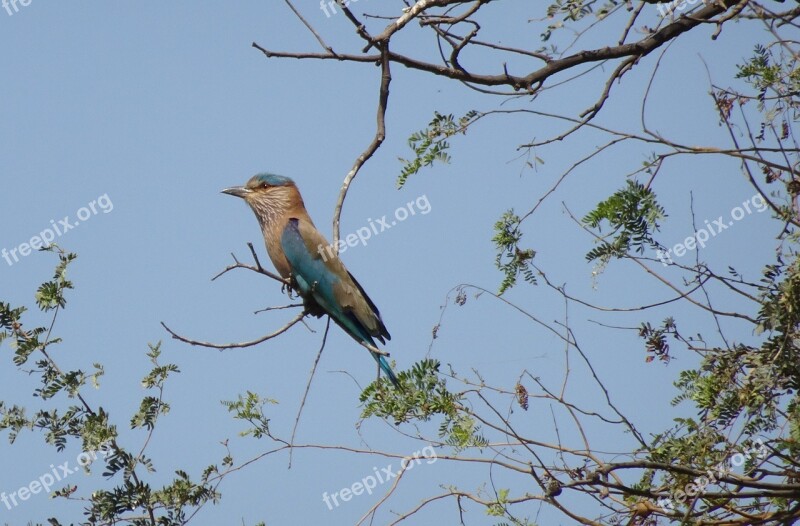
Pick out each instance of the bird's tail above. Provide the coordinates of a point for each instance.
(386, 369)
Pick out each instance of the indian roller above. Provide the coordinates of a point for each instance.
(301, 254)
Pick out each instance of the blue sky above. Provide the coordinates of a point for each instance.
(153, 109)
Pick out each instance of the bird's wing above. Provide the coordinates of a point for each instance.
(325, 278)
(383, 332)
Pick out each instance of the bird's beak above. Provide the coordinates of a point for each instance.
(238, 191)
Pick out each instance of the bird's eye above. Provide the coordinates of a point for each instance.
(264, 185)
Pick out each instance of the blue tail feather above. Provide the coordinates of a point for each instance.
(386, 369)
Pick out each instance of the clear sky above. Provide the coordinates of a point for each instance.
(146, 111)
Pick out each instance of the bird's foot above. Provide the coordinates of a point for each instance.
(374, 349)
(288, 290)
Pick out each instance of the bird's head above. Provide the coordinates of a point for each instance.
(268, 194)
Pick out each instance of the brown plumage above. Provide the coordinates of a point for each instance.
(300, 253)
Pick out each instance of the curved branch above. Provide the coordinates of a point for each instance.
(223, 346)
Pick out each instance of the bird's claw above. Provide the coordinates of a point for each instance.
(374, 349)
(287, 288)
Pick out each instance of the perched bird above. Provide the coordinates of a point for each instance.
(300, 253)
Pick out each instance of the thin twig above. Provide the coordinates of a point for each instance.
(308, 387)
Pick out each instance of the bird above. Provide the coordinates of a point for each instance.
(301, 254)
